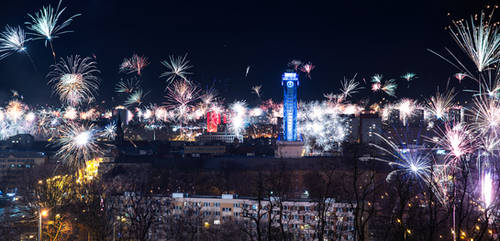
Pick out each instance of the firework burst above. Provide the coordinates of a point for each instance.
(409, 76)
(109, 131)
(406, 161)
(406, 109)
(74, 79)
(136, 98)
(127, 86)
(238, 122)
(333, 98)
(176, 68)
(349, 87)
(456, 140)
(321, 127)
(377, 78)
(389, 87)
(257, 90)
(440, 104)
(78, 144)
(295, 64)
(12, 40)
(460, 77)
(180, 98)
(45, 24)
(486, 115)
(135, 64)
(478, 38)
(15, 110)
(307, 68)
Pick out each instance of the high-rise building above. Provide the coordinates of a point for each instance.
(290, 145)
(290, 82)
(370, 125)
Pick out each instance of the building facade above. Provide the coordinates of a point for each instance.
(290, 83)
(298, 217)
(15, 166)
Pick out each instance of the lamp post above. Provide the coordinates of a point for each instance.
(41, 213)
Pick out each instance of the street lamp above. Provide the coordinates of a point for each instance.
(42, 213)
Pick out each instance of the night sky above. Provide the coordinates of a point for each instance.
(341, 39)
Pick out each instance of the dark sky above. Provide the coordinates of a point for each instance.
(221, 39)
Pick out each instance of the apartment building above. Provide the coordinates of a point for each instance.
(300, 217)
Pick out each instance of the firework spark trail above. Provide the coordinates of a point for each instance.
(349, 87)
(136, 98)
(409, 76)
(44, 24)
(411, 162)
(307, 68)
(478, 38)
(74, 79)
(377, 78)
(440, 104)
(78, 144)
(247, 70)
(135, 64)
(487, 192)
(127, 86)
(489, 84)
(176, 68)
(407, 161)
(256, 90)
(389, 87)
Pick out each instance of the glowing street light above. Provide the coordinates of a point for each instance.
(42, 213)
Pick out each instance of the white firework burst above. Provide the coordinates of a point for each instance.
(478, 38)
(12, 40)
(109, 131)
(45, 24)
(349, 87)
(440, 104)
(78, 144)
(321, 127)
(176, 68)
(136, 98)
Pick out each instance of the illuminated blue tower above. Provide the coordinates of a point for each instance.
(290, 82)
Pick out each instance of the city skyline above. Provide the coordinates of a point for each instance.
(146, 121)
(340, 44)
